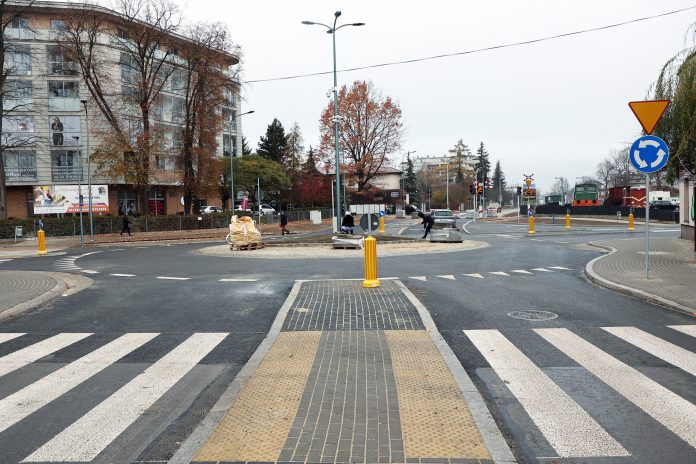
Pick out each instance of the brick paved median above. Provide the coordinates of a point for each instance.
(17, 287)
(353, 377)
(672, 268)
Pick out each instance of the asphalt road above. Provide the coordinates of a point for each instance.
(173, 292)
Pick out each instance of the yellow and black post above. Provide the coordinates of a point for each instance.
(371, 280)
(381, 224)
(568, 219)
(631, 224)
(42, 242)
(531, 225)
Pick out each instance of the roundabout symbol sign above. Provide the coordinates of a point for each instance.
(649, 154)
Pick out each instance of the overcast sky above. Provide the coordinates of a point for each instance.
(555, 108)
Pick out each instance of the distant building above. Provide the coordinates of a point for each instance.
(47, 90)
(437, 165)
(687, 205)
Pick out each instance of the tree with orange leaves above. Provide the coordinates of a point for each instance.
(370, 129)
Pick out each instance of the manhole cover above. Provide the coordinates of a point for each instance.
(533, 315)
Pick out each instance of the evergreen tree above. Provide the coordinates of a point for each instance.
(461, 152)
(294, 148)
(498, 180)
(310, 165)
(410, 180)
(246, 149)
(483, 164)
(273, 145)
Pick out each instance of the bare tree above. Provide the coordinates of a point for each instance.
(16, 127)
(145, 34)
(561, 187)
(606, 172)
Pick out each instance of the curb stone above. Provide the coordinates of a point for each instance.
(635, 293)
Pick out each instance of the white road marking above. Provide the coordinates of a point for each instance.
(541, 269)
(686, 329)
(28, 355)
(521, 271)
(419, 278)
(668, 408)
(6, 337)
(557, 241)
(30, 399)
(238, 280)
(673, 354)
(80, 443)
(123, 275)
(476, 275)
(557, 416)
(449, 277)
(500, 273)
(5, 260)
(87, 271)
(560, 268)
(173, 278)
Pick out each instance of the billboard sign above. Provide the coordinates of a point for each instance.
(61, 199)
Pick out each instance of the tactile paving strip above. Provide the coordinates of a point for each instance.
(346, 305)
(257, 424)
(435, 419)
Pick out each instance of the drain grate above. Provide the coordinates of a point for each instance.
(533, 315)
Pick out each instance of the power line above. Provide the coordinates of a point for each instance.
(478, 50)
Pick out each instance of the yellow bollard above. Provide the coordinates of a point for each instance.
(630, 222)
(370, 263)
(42, 242)
(531, 225)
(381, 225)
(567, 220)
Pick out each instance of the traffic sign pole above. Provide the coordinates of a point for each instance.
(647, 225)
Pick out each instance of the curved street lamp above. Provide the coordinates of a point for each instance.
(332, 31)
(232, 164)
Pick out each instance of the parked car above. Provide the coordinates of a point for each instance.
(494, 208)
(663, 204)
(266, 209)
(211, 209)
(443, 217)
(239, 209)
(410, 209)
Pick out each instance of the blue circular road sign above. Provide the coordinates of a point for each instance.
(649, 154)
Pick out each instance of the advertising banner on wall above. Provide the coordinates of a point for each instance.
(60, 199)
(63, 129)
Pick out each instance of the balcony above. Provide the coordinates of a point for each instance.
(64, 104)
(20, 174)
(65, 173)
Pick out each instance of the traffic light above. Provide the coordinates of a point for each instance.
(472, 189)
(519, 191)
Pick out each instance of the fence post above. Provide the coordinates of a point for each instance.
(73, 227)
(146, 224)
(179, 223)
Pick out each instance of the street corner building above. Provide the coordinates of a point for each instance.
(53, 124)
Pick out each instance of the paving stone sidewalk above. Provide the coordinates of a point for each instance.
(353, 377)
(672, 267)
(20, 287)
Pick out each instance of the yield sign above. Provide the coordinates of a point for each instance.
(649, 113)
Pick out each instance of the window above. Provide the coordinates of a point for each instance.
(126, 202)
(178, 113)
(57, 63)
(229, 118)
(178, 79)
(16, 89)
(177, 139)
(58, 25)
(65, 165)
(63, 89)
(19, 59)
(19, 22)
(20, 165)
(130, 73)
(18, 125)
(230, 97)
(229, 145)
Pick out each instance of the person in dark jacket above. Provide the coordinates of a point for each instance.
(428, 222)
(348, 224)
(126, 225)
(283, 223)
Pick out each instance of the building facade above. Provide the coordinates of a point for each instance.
(687, 207)
(47, 110)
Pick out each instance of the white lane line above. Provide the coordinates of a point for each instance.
(541, 269)
(476, 275)
(668, 408)
(558, 241)
(500, 273)
(419, 278)
(557, 416)
(123, 275)
(6, 337)
(238, 280)
(87, 271)
(686, 329)
(5, 260)
(30, 399)
(521, 271)
(448, 277)
(173, 278)
(80, 443)
(28, 355)
(673, 354)
(560, 268)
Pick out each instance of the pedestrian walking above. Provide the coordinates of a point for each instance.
(428, 222)
(126, 225)
(283, 223)
(348, 224)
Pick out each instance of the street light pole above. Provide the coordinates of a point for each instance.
(89, 174)
(232, 164)
(332, 31)
(79, 189)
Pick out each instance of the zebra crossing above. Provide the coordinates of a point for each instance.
(563, 413)
(67, 263)
(84, 439)
(483, 275)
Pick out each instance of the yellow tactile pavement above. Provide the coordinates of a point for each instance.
(257, 424)
(435, 419)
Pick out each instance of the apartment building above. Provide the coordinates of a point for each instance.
(48, 111)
